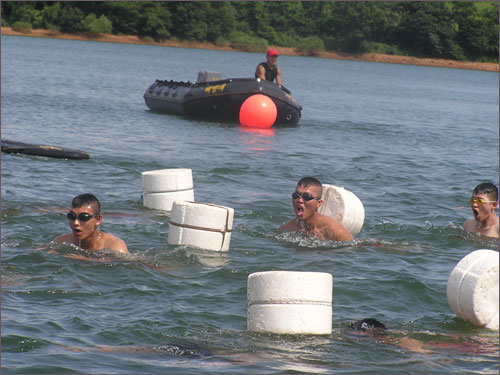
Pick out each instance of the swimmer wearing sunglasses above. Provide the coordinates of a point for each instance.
(484, 202)
(306, 201)
(84, 220)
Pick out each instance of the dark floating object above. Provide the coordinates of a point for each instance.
(216, 99)
(11, 147)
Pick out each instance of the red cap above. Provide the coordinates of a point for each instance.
(272, 52)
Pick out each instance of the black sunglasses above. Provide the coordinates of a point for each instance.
(83, 216)
(306, 196)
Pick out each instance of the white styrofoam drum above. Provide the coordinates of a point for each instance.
(201, 225)
(167, 180)
(295, 319)
(164, 201)
(286, 286)
(472, 289)
(288, 302)
(344, 207)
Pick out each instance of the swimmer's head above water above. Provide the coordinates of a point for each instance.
(367, 324)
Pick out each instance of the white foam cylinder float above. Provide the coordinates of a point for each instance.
(288, 302)
(161, 188)
(164, 201)
(344, 207)
(201, 225)
(472, 288)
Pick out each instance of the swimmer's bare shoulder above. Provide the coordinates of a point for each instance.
(470, 225)
(64, 238)
(290, 226)
(333, 230)
(114, 243)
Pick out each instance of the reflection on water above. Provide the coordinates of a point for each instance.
(257, 139)
(209, 258)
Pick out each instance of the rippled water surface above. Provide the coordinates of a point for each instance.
(410, 142)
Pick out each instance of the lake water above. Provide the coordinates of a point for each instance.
(410, 142)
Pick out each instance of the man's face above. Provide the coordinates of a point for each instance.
(306, 208)
(271, 60)
(481, 206)
(80, 227)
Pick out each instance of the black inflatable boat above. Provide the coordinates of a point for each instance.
(12, 147)
(216, 99)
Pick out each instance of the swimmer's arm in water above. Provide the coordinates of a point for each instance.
(413, 345)
(238, 358)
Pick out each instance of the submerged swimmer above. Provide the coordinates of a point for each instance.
(373, 329)
(191, 351)
(306, 201)
(484, 202)
(84, 219)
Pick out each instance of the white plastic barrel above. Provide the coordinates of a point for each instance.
(344, 207)
(472, 288)
(201, 225)
(161, 188)
(289, 302)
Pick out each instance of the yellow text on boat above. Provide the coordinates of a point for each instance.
(215, 88)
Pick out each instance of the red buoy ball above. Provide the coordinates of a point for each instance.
(258, 111)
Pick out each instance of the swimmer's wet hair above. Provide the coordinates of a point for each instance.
(84, 200)
(487, 188)
(366, 325)
(311, 181)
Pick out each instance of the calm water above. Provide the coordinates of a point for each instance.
(411, 142)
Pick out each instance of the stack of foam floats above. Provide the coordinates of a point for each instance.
(201, 225)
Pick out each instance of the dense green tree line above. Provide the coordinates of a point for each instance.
(453, 30)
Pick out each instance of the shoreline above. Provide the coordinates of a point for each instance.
(366, 57)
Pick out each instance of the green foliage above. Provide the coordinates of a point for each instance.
(428, 29)
(287, 40)
(222, 42)
(311, 45)
(477, 30)
(22, 27)
(147, 39)
(95, 26)
(382, 48)
(456, 30)
(125, 16)
(50, 16)
(247, 43)
(70, 19)
(154, 22)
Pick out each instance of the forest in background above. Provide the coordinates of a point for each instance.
(447, 30)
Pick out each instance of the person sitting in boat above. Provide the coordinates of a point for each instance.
(268, 70)
(306, 201)
(84, 219)
(484, 202)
